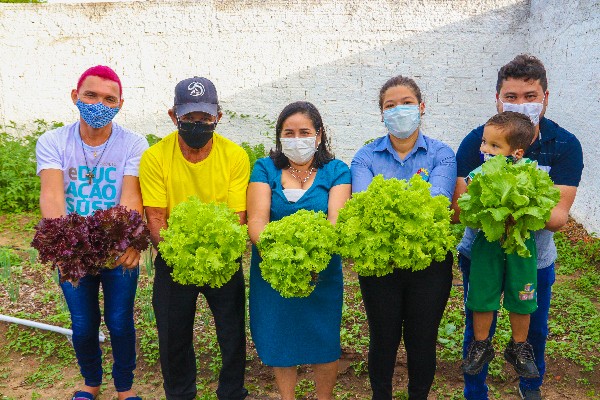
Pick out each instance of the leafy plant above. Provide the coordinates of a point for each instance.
(83, 245)
(394, 224)
(65, 243)
(152, 139)
(115, 229)
(203, 242)
(508, 201)
(19, 184)
(255, 152)
(294, 250)
(10, 272)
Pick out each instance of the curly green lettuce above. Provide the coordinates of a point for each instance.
(202, 243)
(507, 201)
(294, 250)
(394, 224)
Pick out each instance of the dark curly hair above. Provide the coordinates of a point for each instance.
(517, 128)
(323, 154)
(523, 66)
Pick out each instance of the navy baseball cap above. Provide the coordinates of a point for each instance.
(196, 94)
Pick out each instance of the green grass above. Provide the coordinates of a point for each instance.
(574, 331)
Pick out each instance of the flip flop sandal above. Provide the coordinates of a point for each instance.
(81, 395)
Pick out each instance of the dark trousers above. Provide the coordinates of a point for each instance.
(175, 309)
(409, 304)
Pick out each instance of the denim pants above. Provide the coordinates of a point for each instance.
(175, 309)
(475, 386)
(405, 305)
(119, 287)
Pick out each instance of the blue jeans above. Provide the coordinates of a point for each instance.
(475, 387)
(119, 287)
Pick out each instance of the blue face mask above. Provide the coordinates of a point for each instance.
(401, 121)
(487, 156)
(96, 115)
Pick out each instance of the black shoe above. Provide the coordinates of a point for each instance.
(479, 353)
(530, 394)
(520, 356)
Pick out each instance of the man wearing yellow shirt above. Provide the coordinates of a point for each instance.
(194, 160)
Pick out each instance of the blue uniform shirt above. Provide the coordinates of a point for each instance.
(557, 152)
(433, 160)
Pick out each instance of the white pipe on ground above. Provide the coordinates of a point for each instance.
(67, 332)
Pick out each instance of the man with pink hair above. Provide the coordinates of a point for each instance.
(89, 165)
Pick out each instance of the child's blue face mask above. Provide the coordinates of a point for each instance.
(487, 156)
(96, 115)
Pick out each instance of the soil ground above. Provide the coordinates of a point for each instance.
(563, 380)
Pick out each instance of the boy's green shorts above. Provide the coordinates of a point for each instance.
(494, 271)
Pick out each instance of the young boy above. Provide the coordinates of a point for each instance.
(493, 271)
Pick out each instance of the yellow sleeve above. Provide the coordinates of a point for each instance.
(240, 175)
(154, 191)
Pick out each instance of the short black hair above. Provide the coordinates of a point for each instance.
(523, 66)
(399, 80)
(323, 154)
(517, 127)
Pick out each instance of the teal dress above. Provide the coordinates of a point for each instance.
(295, 331)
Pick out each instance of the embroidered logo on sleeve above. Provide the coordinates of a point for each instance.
(528, 292)
(423, 173)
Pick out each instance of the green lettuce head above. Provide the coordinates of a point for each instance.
(203, 242)
(394, 224)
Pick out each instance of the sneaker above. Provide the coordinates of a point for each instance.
(520, 356)
(530, 394)
(479, 353)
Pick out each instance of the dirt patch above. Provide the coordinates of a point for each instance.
(40, 294)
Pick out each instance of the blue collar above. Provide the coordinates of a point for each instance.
(386, 144)
(547, 131)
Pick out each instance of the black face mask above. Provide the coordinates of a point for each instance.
(196, 134)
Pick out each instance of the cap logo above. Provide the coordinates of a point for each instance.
(196, 89)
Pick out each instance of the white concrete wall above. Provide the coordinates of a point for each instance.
(566, 35)
(265, 54)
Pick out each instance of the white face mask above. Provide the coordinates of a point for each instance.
(402, 120)
(532, 110)
(299, 150)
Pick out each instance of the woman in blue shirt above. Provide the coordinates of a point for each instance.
(405, 303)
(300, 173)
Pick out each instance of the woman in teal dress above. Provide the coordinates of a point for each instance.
(300, 173)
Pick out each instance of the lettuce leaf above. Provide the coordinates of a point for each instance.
(394, 224)
(294, 250)
(202, 243)
(83, 245)
(507, 201)
(113, 230)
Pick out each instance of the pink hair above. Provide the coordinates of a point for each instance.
(103, 72)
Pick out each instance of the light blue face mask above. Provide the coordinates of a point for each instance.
(402, 120)
(96, 115)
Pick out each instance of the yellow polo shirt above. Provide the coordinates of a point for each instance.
(167, 178)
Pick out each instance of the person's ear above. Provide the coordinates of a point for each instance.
(171, 113)
(518, 154)
(498, 104)
(74, 96)
(219, 116)
(422, 108)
